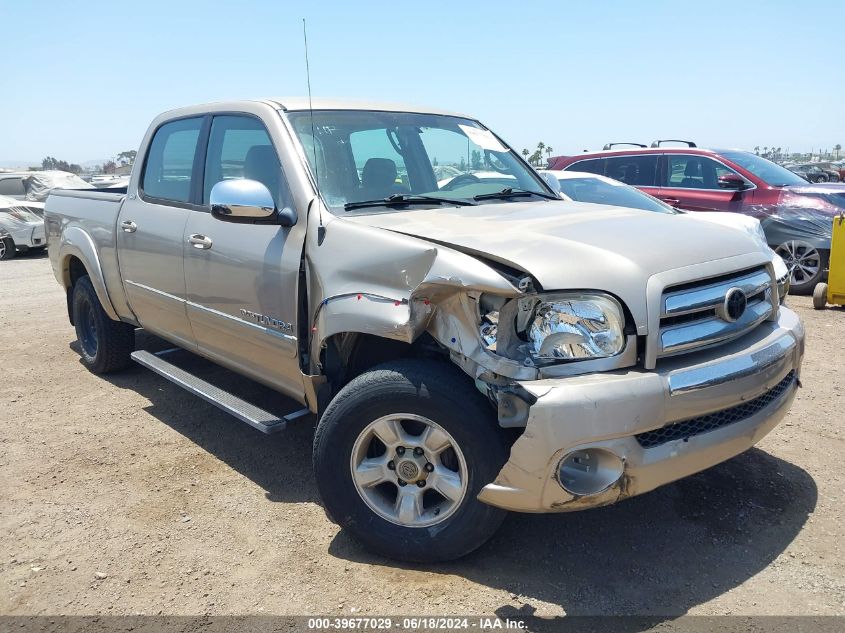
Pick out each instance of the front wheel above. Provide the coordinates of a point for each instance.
(400, 456)
(807, 264)
(7, 248)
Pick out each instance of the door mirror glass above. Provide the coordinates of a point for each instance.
(732, 181)
(241, 200)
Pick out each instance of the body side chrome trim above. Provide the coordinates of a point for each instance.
(217, 313)
(254, 326)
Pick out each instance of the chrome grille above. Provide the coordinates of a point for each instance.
(693, 315)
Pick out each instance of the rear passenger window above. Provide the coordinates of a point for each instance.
(240, 147)
(170, 160)
(591, 166)
(638, 170)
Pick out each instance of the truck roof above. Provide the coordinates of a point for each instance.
(323, 103)
(318, 103)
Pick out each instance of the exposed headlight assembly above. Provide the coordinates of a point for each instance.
(576, 327)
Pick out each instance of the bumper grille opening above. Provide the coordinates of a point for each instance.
(696, 426)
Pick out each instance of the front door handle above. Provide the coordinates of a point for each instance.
(673, 201)
(200, 241)
(128, 226)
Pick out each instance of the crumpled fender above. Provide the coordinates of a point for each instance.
(75, 242)
(374, 281)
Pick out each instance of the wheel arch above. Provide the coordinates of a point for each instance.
(77, 257)
(349, 354)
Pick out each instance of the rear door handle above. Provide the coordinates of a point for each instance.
(200, 241)
(673, 201)
(128, 226)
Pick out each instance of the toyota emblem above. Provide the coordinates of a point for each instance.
(735, 304)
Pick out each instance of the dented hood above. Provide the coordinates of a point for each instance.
(573, 244)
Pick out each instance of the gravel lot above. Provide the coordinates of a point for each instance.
(126, 495)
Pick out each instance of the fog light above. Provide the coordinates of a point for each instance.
(589, 471)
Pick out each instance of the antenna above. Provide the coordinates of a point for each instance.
(321, 230)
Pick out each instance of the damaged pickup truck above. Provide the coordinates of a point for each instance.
(469, 344)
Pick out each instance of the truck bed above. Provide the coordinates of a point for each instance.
(88, 218)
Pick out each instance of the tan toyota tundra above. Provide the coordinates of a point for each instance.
(468, 342)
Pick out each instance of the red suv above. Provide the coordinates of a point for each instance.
(797, 217)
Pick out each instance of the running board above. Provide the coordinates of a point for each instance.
(257, 418)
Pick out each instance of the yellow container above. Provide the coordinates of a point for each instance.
(834, 290)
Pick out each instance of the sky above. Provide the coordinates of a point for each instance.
(82, 80)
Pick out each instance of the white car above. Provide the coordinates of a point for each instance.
(586, 187)
(23, 225)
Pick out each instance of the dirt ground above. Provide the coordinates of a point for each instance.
(126, 495)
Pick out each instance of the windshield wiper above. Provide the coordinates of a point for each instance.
(400, 199)
(511, 192)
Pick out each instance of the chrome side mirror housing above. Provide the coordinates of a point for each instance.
(247, 201)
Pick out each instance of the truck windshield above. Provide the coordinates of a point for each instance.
(388, 162)
(767, 171)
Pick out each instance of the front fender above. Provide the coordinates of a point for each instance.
(75, 242)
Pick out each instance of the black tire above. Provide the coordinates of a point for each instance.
(104, 345)
(7, 251)
(441, 393)
(820, 296)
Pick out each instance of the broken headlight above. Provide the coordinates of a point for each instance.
(576, 327)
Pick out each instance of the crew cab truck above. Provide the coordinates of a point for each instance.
(468, 347)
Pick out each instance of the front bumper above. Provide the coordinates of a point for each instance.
(757, 375)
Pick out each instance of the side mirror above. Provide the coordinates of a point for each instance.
(734, 182)
(247, 201)
(551, 181)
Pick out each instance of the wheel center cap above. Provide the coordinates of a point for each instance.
(408, 470)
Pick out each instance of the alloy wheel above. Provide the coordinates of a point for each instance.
(409, 470)
(802, 259)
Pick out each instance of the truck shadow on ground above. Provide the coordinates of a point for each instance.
(660, 554)
(280, 464)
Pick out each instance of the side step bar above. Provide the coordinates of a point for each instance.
(257, 418)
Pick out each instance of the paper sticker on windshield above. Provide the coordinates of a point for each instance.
(483, 138)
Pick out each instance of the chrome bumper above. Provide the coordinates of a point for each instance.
(608, 411)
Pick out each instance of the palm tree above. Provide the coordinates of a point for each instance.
(837, 148)
(549, 151)
(525, 153)
(757, 150)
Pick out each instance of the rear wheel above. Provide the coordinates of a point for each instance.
(400, 456)
(104, 345)
(820, 296)
(7, 248)
(807, 264)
